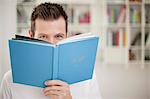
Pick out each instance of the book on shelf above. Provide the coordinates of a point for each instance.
(146, 37)
(147, 14)
(124, 38)
(78, 14)
(135, 14)
(84, 15)
(137, 39)
(111, 15)
(147, 41)
(34, 61)
(116, 38)
(122, 14)
(135, 0)
(116, 14)
(113, 38)
(147, 55)
(84, 18)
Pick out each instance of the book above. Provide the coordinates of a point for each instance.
(121, 17)
(84, 15)
(114, 38)
(147, 43)
(116, 14)
(71, 60)
(121, 31)
(147, 14)
(146, 37)
(117, 38)
(135, 14)
(137, 39)
(124, 39)
(135, 0)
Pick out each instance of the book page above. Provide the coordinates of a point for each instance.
(76, 38)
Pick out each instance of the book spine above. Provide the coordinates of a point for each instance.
(55, 63)
(121, 37)
(113, 16)
(113, 39)
(124, 39)
(122, 14)
(148, 41)
(117, 38)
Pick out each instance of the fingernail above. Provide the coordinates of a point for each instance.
(45, 83)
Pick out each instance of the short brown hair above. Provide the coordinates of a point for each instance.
(48, 11)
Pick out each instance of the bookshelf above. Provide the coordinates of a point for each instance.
(127, 32)
(79, 15)
(124, 29)
(24, 10)
(79, 18)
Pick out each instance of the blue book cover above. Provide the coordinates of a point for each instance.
(33, 63)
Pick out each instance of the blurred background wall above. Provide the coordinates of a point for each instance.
(7, 28)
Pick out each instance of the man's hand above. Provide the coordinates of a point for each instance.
(57, 89)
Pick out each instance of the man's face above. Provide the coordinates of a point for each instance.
(50, 31)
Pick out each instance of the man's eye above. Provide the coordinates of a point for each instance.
(43, 37)
(59, 36)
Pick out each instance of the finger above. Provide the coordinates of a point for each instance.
(58, 88)
(51, 95)
(55, 93)
(50, 92)
(56, 82)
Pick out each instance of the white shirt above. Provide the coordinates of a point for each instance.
(83, 90)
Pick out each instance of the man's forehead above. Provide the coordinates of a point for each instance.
(57, 26)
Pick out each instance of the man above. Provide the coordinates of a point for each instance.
(49, 23)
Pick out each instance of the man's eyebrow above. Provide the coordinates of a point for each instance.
(60, 34)
(42, 34)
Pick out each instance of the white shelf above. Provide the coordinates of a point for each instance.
(136, 47)
(147, 25)
(135, 25)
(147, 47)
(116, 2)
(135, 3)
(114, 25)
(147, 62)
(147, 1)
